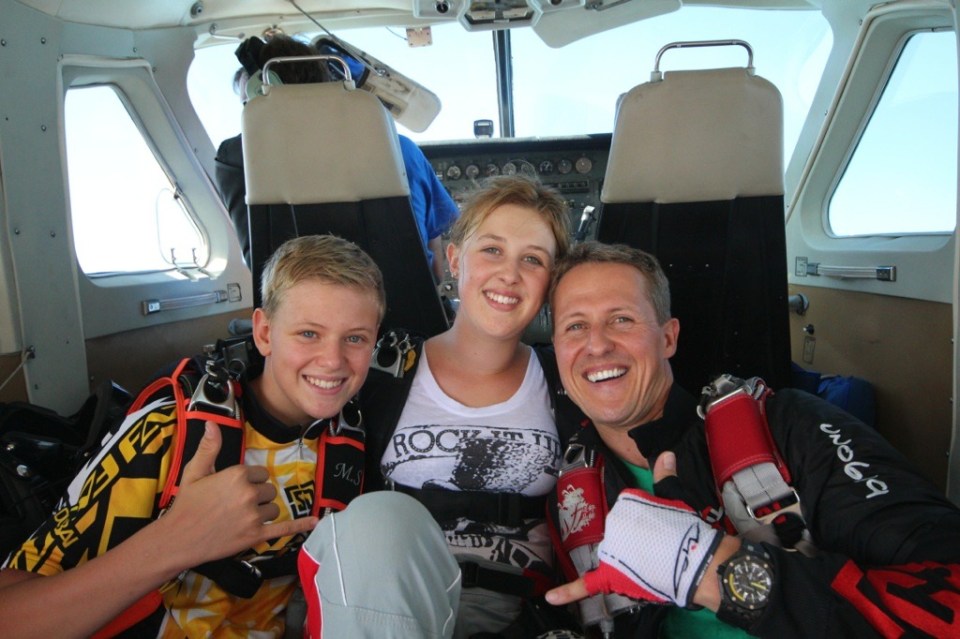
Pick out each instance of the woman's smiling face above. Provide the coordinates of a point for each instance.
(503, 270)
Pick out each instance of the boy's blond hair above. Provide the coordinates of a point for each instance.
(323, 257)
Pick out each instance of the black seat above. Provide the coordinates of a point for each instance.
(324, 158)
(695, 177)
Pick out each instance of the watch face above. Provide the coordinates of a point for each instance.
(748, 580)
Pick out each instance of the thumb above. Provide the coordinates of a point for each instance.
(664, 467)
(202, 463)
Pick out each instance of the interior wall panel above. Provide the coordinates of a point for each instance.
(903, 347)
(132, 357)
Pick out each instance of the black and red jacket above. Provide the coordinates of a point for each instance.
(888, 539)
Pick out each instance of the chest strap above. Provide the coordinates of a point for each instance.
(504, 509)
(750, 474)
(582, 511)
(509, 580)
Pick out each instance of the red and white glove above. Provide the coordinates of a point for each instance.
(653, 549)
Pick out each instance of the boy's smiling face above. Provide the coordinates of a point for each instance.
(317, 344)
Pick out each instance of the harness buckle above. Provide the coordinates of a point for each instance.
(390, 353)
(788, 505)
(253, 570)
(214, 391)
(726, 386)
(576, 456)
(350, 419)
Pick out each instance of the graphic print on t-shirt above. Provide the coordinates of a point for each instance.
(473, 457)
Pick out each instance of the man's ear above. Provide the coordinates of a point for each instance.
(671, 331)
(261, 331)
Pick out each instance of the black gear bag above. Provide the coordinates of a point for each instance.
(41, 451)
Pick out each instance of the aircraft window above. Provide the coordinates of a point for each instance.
(902, 177)
(559, 92)
(127, 215)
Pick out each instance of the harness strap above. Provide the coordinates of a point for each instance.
(500, 578)
(244, 578)
(137, 612)
(752, 478)
(340, 462)
(582, 510)
(505, 509)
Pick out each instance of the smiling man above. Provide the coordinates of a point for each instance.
(668, 539)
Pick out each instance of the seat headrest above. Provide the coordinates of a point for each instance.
(320, 143)
(697, 136)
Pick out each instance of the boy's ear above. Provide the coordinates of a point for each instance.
(261, 331)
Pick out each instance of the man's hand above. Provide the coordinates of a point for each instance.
(229, 511)
(653, 549)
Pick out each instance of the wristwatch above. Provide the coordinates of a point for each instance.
(746, 581)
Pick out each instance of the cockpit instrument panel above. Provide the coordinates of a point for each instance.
(573, 165)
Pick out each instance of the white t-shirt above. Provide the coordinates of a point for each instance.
(510, 447)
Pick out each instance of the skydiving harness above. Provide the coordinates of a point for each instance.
(396, 354)
(209, 389)
(751, 478)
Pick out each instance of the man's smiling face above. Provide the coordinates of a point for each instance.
(612, 354)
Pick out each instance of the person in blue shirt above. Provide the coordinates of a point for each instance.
(433, 208)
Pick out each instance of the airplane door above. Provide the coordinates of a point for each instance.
(871, 230)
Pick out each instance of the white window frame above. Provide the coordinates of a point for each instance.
(866, 126)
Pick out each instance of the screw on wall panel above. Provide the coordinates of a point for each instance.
(16, 231)
(43, 127)
(3, 42)
(43, 40)
(53, 233)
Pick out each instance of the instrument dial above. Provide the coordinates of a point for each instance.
(472, 171)
(564, 166)
(491, 170)
(584, 165)
(510, 168)
(453, 172)
(545, 168)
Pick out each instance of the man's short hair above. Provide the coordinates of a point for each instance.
(327, 258)
(518, 190)
(593, 252)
